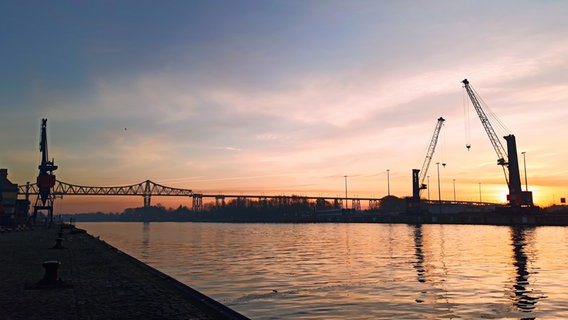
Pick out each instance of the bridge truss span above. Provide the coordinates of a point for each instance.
(146, 189)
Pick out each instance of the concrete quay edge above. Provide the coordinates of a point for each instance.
(95, 281)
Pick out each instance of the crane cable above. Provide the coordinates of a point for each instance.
(492, 117)
(466, 120)
(444, 148)
(503, 130)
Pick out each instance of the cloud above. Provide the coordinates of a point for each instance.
(288, 94)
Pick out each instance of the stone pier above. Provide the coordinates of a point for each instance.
(93, 280)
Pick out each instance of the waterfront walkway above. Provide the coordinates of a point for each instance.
(94, 281)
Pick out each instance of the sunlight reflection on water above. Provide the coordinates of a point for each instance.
(359, 271)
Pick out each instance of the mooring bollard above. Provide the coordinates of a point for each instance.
(50, 276)
(58, 243)
(50, 279)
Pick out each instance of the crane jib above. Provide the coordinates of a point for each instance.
(507, 159)
(419, 176)
(493, 138)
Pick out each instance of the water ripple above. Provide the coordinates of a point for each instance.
(359, 271)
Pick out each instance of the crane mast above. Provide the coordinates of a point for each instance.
(46, 178)
(507, 159)
(418, 176)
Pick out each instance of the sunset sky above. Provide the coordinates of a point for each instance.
(282, 97)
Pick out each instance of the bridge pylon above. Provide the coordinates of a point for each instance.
(147, 193)
(374, 204)
(356, 204)
(197, 202)
(337, 203)
(220, 201)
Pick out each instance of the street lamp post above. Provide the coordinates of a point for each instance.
(439, 190)
(346, 203)
(428, 187)
(525, 165)
(454, 190)
(480, 193)
(388, 183)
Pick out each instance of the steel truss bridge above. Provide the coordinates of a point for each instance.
(149, 189)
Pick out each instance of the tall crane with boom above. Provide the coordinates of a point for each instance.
(419, 175)
(507, 159)
(46, 178)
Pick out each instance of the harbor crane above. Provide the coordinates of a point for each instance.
(507, 159)
(46, 178)
(419, 175)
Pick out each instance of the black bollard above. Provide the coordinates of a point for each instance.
(58, 244)
(50, 277)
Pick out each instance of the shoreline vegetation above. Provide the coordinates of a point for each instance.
(392, 211)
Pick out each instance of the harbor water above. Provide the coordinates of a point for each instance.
(359, 271)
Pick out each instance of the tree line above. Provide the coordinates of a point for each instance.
(285, 209)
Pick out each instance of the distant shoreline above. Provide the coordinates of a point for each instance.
(527, 218)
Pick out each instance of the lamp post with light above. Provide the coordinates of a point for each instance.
(525, 165)
(439, 189)
(388, 183)
(346, 203)
(428, 187)
(454, 190)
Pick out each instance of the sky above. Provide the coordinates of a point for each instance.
(283, 97)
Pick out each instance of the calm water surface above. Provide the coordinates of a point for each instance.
(359, 271)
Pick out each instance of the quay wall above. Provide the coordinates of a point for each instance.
(94, 281)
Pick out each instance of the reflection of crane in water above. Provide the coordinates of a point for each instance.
(433, 280)
(419, 254)
(521, 296)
